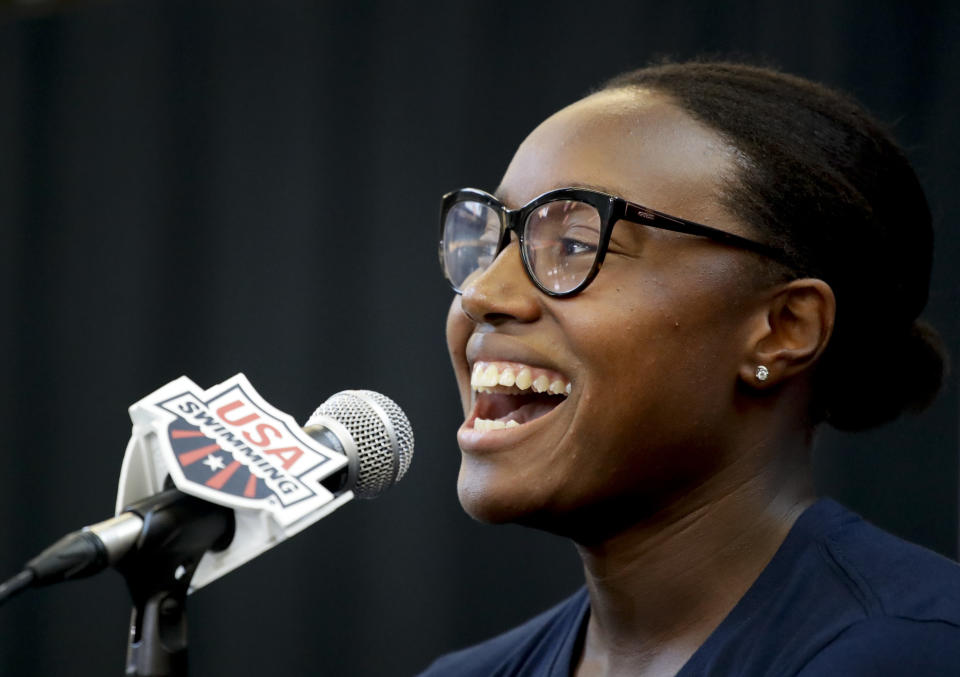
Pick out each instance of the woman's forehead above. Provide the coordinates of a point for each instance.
(634, 143)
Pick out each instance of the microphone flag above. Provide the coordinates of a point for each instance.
(229, 446)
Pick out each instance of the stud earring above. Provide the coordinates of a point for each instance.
(762, 373)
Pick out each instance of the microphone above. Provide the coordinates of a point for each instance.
(372, 432)
(365, 426)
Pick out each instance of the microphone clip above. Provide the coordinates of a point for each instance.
(177, 530)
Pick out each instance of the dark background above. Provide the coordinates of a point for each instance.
(204, 188)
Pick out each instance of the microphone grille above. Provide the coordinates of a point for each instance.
(381, 433)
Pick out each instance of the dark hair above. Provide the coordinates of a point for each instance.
(824, 181)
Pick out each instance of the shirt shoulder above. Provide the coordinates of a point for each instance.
(885, 646)
(837, 586)
(893, 578)
(533, 648)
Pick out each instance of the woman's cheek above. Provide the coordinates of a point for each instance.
(459, 328)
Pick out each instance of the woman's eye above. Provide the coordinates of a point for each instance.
(572, 246)
(578, 238)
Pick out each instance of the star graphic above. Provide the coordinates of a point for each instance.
(213, 462)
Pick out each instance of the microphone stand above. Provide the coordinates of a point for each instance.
(177, 530)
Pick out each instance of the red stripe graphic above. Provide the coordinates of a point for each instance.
(180, 434)
(251, 490)
(188, 457)
(218, 480)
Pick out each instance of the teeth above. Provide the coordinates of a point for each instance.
(541, 384)
(487, 377)
(485, 424)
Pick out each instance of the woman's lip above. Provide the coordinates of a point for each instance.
(493, 347)
(475, 441)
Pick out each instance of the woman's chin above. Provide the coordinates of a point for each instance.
(490, 500)
(509, 500)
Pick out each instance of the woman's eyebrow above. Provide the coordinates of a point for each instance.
(598, 188)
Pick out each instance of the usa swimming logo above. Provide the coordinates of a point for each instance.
(229, 446)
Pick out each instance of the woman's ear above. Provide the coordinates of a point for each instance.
(791, 333)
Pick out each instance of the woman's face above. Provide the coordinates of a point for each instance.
(649, 353)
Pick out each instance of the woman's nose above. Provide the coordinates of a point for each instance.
(502, 292)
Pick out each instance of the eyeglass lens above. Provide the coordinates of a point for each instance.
(560, 242)
(471, 232)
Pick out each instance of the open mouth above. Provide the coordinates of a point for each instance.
(509, 394)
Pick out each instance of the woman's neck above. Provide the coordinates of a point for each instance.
(659, 588)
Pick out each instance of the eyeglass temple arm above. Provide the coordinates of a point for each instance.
(655, 219)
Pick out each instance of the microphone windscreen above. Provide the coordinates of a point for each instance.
(381, 433)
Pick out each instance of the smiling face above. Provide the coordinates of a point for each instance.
(604, 407)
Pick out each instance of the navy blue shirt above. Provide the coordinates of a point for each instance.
(839, 597)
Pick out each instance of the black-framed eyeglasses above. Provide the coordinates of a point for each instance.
(563, 235)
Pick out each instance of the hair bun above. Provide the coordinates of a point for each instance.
(926, 366)
(891, 379)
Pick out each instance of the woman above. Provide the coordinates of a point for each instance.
(765, 252)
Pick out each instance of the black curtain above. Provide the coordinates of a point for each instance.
(206, 187)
